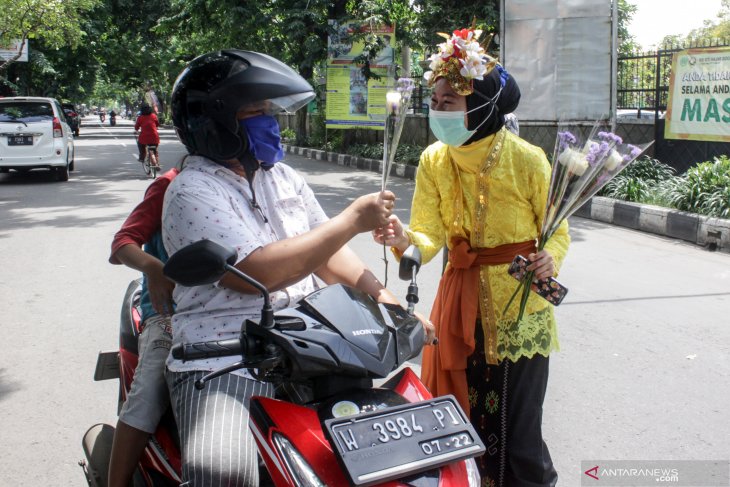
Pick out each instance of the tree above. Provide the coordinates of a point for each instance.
(626, 42)
(55, 22)
(447, 15)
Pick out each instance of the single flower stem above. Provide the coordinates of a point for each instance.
(525, 294)
(512, 298)
(385, 259)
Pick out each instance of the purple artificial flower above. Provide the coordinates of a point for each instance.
(566, 139)
(633, 153)
(610, 137)
(405, 85)
(597, 153)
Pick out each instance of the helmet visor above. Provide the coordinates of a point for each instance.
(272, 106)
(288, 103)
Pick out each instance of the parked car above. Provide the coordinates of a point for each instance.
(73, 116)
(630, 115)
(34, 134)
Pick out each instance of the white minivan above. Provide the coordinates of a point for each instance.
(34, 134)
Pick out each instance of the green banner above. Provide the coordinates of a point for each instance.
(699, 95)
(352, 101)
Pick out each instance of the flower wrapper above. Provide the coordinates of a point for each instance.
(397, 102)
(396, 106)
(582, 165)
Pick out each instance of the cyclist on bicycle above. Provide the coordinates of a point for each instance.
(147, 137)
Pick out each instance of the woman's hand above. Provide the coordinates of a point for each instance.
(392, 234)
(542, 263)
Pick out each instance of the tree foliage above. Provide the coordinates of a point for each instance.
(54, 22)
(626, 42)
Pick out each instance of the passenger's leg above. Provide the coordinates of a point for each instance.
(146, 402)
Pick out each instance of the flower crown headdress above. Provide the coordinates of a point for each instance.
(461, 60)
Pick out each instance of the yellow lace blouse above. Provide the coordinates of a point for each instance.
(491, 192)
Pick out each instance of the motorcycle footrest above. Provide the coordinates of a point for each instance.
(107, 366)
(97, 443)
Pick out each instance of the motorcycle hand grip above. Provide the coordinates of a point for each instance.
(219, 348)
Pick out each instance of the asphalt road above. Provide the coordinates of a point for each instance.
(642, 374)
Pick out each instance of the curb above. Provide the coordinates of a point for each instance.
(711, 233)
(708, 232)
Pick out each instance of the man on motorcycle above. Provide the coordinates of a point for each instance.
(235, 191)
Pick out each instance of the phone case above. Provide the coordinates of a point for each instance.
(549, 288)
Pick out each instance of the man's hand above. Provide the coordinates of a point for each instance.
(372, 210)
(429, 328)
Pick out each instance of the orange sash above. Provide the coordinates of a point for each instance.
(443, 368)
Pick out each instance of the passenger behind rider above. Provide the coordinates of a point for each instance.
(145, 129)
(235, 191)
(148, 397)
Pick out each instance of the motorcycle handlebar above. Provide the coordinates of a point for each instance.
(202, 350)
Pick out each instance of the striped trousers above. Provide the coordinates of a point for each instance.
(217, 446)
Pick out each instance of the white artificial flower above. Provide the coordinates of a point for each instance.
(589, 145)
(460, 43)
(472, 68)
(435, 62)
(473, 49)
(446, 49)
(573, 161)
(613, 160)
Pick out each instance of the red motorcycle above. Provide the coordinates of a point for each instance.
(328, 425)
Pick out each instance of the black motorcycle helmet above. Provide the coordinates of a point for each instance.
(213, 87)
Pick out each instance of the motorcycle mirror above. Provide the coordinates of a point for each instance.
(205, 262)
(202, 262)
(410, 261)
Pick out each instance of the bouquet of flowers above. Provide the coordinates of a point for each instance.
(582, 165)
(397, 102)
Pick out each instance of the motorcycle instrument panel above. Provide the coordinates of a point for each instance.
(403, 440)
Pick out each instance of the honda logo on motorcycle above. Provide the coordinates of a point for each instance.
(368, 331)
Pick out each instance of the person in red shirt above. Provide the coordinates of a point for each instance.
(148, 398)
(146, 131)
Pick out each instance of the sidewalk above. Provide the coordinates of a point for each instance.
(708, 232)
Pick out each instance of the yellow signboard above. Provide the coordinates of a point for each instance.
(352, 100)
(699, 95)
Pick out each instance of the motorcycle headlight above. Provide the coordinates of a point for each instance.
(472, 473)
(300, 471)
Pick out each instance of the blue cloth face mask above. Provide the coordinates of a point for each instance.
(449, 127)
(264, 139)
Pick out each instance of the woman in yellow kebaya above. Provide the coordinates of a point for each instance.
(481, 191)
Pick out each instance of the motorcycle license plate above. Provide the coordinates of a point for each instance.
(20, 140)
(403, 440)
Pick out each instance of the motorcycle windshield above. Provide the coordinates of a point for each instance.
(355, 315)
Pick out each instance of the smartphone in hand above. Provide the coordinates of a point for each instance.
(549, 288)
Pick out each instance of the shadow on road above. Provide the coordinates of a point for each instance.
(7, 387)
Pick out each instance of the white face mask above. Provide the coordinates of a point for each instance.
(449, 127)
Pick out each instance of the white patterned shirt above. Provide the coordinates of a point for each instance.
(208, 201)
